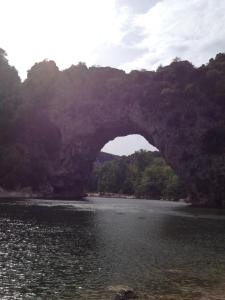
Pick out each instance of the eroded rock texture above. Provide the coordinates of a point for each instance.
(72, 114)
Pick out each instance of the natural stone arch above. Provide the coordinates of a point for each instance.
(178, 109)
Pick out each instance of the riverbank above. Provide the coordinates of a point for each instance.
(125, 196)
(111, 195)
(23, 193)
(27, 193)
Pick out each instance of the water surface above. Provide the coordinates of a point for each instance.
(85, 249)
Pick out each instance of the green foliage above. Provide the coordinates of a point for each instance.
(143, 174)
(9, 103)
(9, 93)
(30, 115)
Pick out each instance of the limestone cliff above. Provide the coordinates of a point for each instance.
(69, 115)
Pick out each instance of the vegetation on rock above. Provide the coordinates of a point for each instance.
(53, 125)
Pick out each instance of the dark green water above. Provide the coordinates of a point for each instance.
(83, 250)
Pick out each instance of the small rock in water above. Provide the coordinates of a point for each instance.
(125, 294)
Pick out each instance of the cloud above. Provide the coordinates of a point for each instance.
(125, 49)
(133, 36)
(192, 30)
(65, 31)
(136, 6)
(114, 55)
(129, 34)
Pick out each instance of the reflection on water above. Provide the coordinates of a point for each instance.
(77, 250)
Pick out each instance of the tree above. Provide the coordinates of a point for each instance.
(144, 174)
(10, 99)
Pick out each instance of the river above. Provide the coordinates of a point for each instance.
(86, 249)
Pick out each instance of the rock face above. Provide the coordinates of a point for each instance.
(122, 292)
(73, 113)
(125, 294)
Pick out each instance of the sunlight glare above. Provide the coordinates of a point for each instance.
(65, 31)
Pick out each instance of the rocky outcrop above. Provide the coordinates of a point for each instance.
(73, 113)
(125, 294)
(122, 292)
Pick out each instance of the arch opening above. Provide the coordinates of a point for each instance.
(129, 166)
(127, 145)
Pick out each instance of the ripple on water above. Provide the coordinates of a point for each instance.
(77, 250)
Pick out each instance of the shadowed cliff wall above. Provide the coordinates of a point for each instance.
(68, 116)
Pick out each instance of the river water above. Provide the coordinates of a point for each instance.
(87, 249)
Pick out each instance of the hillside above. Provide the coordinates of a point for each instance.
(103, 157)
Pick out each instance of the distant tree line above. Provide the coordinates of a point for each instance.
(144, 174)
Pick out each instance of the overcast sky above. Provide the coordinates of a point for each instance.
(127, 34)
